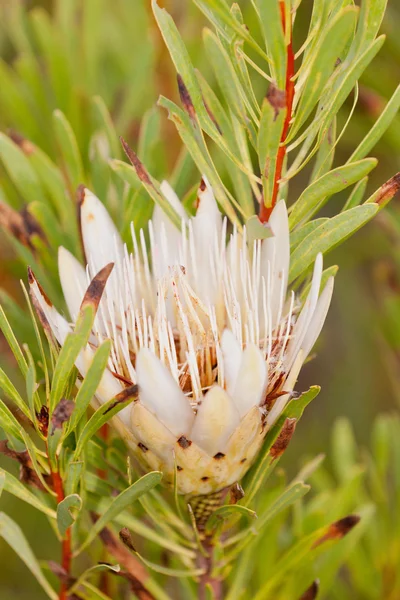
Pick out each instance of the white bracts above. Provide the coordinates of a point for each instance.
(201, 322)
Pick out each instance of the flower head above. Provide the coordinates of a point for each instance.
(200, 320)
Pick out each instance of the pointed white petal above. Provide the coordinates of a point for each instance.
(318, 318)
(101, 239)
(73, 281)
(216, 419)
(280, 226)
(275, 256)
(232, 355)
(173, 199)
(251, 380)
(50, 317)
(207, 226)
(303, 322)
(159, 392)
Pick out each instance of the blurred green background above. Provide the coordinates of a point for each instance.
(356, 362)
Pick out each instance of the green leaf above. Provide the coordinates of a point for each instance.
(326, 153)
(69, 149)
(74, 472)
(271, 25)
(337, 94)
(13, 486)
(104, 122)
(225, 75)
(259, 472)
(218, 12)
(89, 384)
(151, 185)
(182, 62)
(70, 350)
(99, 568)
(328, 235)
(315, 196)
(200, 155)
(53, 182)
(356, 195)
(9, 389)
(227, 512)
(15, 538)
(331, 44)
(288, 497)
(43, 214)
(301, 232)
(19, 169)
(371, 15)
(381, 125)
(169, 571)
(9, 423)
(125, 499)
(269, 136)
(2, 481)
(256, 230)
(66, 518)
(101, 416)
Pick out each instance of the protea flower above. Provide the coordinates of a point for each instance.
(201, 322)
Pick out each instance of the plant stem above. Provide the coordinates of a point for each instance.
(66, 543)
(265, 211)
(208, 579)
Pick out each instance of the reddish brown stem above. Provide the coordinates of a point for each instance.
(66, 543)
(265, 211)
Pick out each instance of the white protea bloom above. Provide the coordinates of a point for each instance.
(200, 320)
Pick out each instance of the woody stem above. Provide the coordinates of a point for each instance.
(66, 552)
(265, 211)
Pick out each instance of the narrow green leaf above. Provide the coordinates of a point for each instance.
(379, 128)
(227, 512)
(337, 93)
(15, 538)
(74, 472)
(43, 214)
(301, 232)
(225, 75)
(315, 196)
(218, 12)
(356, 195)
(69, 149)
(66, 518)
(125, 499)
(271, 25)
(101, 416)
(258, 473)
(328, 235)
(325, 154)
(89, 385)
(104, 122)
(70, 350)
(151, 185)
(182, 62)
(19, 169)
(13, 486)
(331, 44)
(269, 136)
(169, 571)
(99, 568)
(10, 390)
